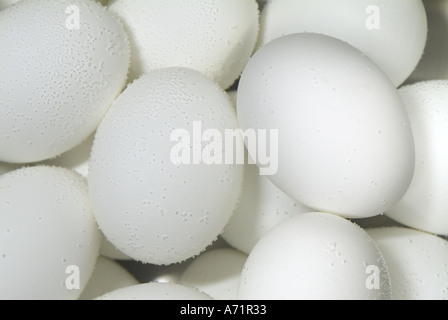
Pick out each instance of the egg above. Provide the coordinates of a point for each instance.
(107, 276)
(215, 37)
(49, 240)
(149, 205)
(216, 273)
(372, 26)
(60, 70)
(262, 206)
(345, 144)
(417, 262)
(155, 291)
(315, 256)
(425, 204)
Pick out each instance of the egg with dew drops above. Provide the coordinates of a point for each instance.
(215, 37)
(49, 240)
(149, 205)
(62, 64)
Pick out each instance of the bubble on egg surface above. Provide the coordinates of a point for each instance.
(155, 291)
(151, 206)
(417, 262)
(315, 256)
(61, 70)
(345, 145)
(425, 204)
(215, 37)
(216, 273)
(49, 240)
(372, 26)
(107, 276)
(262, 206)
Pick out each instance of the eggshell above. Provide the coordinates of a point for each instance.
(373, 26)
(216, 273)
(148, 207)
(425, 204)
(46, 226)
(262, 206)
(345, 145)
(417, 262)
(57, 81)
(107, 276)
(155, 291)
(215, 37)
(314, 256)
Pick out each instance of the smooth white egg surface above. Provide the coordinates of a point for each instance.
(148, 205)
(107, 277)
(262, 206)
(155, 291)
(49, 240)
(215, 37)
(345, 144)
(375, 27)
(216, 273)
(62, 65)
(315, 256)
(425, 204)
(417, 262)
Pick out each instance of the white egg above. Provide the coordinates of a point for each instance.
(150, 206)
(373, 26)
(215, 37)
(417, 262)
(345, 145)
(425, 204)
(61, 70)
(315, 256)
(107, 276)
(262, 206)
(216, 273)
(49, 240)
(155, 291)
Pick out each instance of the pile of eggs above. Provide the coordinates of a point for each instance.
(116, 176)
